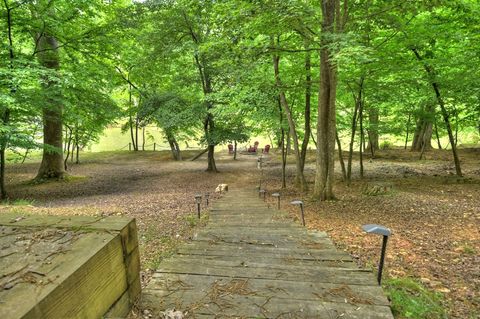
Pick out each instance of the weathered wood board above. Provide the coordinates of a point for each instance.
(67, 267)
(252, 261)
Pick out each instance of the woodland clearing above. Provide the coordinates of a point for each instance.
(434, 215)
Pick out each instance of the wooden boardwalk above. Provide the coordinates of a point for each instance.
(252, 261)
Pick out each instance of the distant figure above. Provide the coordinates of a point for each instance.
(267, 149)
(254, 148)
(230, 149)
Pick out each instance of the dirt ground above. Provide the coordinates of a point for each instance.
(434, 217)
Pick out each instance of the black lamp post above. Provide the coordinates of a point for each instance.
(262, 191)
(260, 167)
(260, 162)
(300, 203)
(207, 196)
(277, 195)
(385, 232)
(198, 200)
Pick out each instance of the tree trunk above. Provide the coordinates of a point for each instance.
(313, 139)
(77, 146)
(299, 176)
(446, 117)
(52, 160)
(173, 146)
(308, 95)
(5, 116)
(358, 101)
(209, 127)
(130, 121)
(340, 157)
(288, 146)
(284, 161)
(408, 130)
(362, 138)
(199, 155)
(3, 191)
(234, 150)
(136, 146)
(282, 146)
(373, 144)
(437, 135)
(212, 167)
(206, 81)
(326, 123)
(69, 142)
(422, 137)
(177, 149)
(77, 157)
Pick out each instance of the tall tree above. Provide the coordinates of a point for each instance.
(299, 177)
(52, 166)
(326, 122)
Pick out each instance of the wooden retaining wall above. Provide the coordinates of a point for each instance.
(68, 267)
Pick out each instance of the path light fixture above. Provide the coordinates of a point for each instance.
(300, 203)
(198, 200)
(260, 167)
(385, 232)
(207, 196)
(260, 162)
(277, 195)
(262, 192)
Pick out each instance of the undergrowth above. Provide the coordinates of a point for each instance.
(410, 299)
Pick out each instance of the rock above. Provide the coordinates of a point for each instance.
(221, 188)
(443, 290)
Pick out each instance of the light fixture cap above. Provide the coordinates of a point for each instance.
(377, 229)
(198, 198)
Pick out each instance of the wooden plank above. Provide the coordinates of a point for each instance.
(300, 234)
(92, 273)
(285, 253)
(260, 247)
(337, 275)
(286, 229)
(251, 238)
(334, 257)
(259, 262)
(266, 260)
(96, 267)
(252, 306)
(174, 285)
(111, 223)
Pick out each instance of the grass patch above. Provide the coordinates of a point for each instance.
(19, 202)
(65, 179)
(193, 221)
(410, 299)
(469, 249)
(169, 246)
